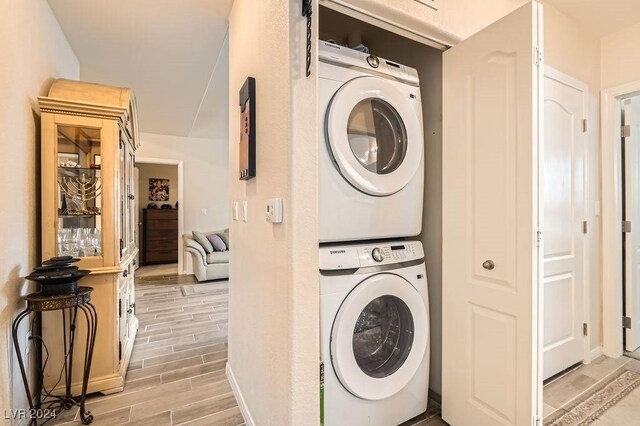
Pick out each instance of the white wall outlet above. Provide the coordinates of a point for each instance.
(204, 211)
(234, 210)
(245, 211)
(273, 212)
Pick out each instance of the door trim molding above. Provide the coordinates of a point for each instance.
(582, 87)
(612, 216)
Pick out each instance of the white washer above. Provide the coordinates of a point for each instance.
(371, 162)
(374, 333)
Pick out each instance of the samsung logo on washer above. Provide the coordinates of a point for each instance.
(337, 251)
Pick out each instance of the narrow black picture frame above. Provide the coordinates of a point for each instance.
(247, 146)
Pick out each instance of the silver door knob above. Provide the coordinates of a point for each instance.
(488, 264)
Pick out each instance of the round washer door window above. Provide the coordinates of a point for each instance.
(377, 136)
(374, 134)
(383, 336)
(379, 337)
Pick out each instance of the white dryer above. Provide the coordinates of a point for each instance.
(371, 162)
(374, 331)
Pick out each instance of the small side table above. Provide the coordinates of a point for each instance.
(69, 304)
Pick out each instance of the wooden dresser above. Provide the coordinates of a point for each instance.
(159, 236)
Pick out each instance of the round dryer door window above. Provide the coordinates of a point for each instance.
(379, 337)
(374, 134)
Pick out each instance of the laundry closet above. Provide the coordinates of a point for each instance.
(501, 243)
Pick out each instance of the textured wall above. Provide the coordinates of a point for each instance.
(34, 51)
(273, 288)
(620, 60)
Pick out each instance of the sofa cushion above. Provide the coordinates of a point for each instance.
(218, 257)
(225, 237)
(216, 242)
(204, 242)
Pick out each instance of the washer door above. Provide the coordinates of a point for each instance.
(375, 135)
(379, 337)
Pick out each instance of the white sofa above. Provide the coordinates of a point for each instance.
(207, 266)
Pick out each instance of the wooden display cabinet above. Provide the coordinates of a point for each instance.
(89, 138)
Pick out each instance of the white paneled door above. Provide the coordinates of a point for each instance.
(564, 227)
(632, 214)
(491, 258)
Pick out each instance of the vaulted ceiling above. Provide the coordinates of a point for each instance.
(172, 53)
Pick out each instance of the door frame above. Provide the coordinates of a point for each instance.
(180, 165)
(611, 163)
(582, 87)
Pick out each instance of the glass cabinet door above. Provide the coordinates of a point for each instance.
(79, 191)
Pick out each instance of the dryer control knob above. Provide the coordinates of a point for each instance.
(377, 255)
(373, 61)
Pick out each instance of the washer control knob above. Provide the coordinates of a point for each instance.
(377, 255)
(373, 61)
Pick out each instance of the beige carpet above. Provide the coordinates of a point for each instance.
(607, 404)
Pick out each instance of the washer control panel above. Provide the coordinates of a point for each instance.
(366, 255)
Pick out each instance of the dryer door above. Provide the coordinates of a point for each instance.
(379, 337)
(375, 135)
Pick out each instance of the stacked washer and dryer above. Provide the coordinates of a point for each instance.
(374, 311)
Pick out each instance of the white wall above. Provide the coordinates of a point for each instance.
(571, 49)
(205, 163)
(34, 51)
(620, 60)
(273, 289)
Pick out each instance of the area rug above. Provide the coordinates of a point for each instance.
(205, 289)
(594, 406)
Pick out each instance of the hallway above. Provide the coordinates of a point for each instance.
(176, 375)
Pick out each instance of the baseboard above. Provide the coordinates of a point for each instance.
(244, 409)
(596, 353)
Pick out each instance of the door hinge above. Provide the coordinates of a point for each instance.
(585, 329)
(584, 227)
(626, 322)
(536, 421)
(626, 226)
(537, 56)
(120, 308)
(584, 126)
(120, 350)
(538, 237)
(626, 131)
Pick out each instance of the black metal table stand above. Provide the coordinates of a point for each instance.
(69, 304)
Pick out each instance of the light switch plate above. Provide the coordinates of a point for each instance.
(245, 210)
(234, 209)
(273, 212)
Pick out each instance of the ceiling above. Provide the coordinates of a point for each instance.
(601, 17)
(172, 53)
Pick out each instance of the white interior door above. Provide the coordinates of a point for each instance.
(564, 189)
(492, 98)
(632, 214)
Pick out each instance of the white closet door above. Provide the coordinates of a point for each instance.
(564, 141)
(492, 97)
(632, 214)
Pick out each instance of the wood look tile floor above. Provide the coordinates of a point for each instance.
(177, 371)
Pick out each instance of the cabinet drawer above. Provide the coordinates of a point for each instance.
(165, 225)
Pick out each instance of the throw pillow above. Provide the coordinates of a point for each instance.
(204, 242)
(225, 238)
(217, 242)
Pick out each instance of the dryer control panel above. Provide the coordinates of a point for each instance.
(341, 55)
(369, 254)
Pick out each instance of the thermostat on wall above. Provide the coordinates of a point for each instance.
(274, 210)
